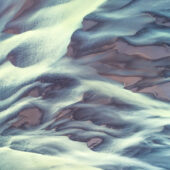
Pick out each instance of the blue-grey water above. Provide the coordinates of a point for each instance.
(85, 85)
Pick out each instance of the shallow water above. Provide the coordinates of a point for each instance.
(84, 85)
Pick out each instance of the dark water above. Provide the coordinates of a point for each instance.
(84, 85)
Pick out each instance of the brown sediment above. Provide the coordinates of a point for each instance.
(34, 92)
(132, 65)
(125, 80)
(49, 89)
(62, 114)
(94, 142)
(149, 52)
(90, 97)
(73, 49)
(11, 59)
(159, 91)
(108, 47)
(66, 113)
(46, 90)
(12, 31)
(28, 117)
(6, 11)
(88, 24)
(28, 4)
(97, 54)
(70, 49)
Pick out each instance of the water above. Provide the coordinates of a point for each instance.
(84, 85)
